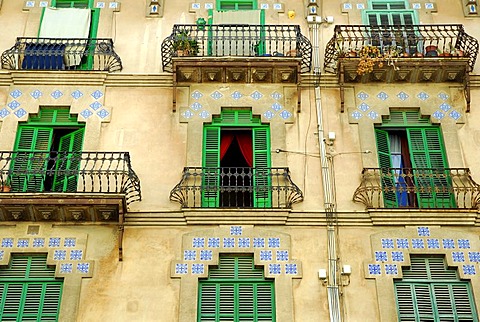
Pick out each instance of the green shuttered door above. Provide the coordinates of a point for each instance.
(211, 160)
(262, 194)
(388, 183)
(66, 172)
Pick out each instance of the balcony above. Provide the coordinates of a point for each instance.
(255, 43)
(62, 54)
(66, 186)
(418, 188)
(236, 188)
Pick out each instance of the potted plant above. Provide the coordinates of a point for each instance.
(184, 44)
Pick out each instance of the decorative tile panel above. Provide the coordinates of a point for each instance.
(276, 107)
(445, 107)
(95, 105)
(402, 243)
(198, 242)
(266, 255)
(256, 95)
(433, 243)
(382, 96)
(97, 94)
(398, 257)
(60, 254)
(285, 114)
(269, 115)
(373, 115)
(214, 242)
(197, 95)
(7, 242)
(291, 269)
(438, 115)
(198, 268)
(458, 257)
(196, 106)
(423, 96)
(274, 269)
(2, 253)
(228, 242)
(76, 254)
(4, 113)
(216, 95)
(36, 94)
(363, 107)
(463, 243)
(455, 115)
(282, 255)
(391, 269)
(13, 104)
(20, 113)
(66, 268)
(244, 242)
(362, 96)
(357, 115)
(276, 95)
(236, 95)
(190, 255)
(69, 242)
(273, 242)
(83, 268)
(86, 113)
(402, 96)
(16, 93)
(23, 242)
(258, 242)
(204, 114)
(181, 268)
(474, 257)
(469, 270)
(103, 114)
(443, 96)
(448, 243)
(423, 231)
(39, 242)
(56, 94)
(381, 256)
(374, 269)
(54, 242)
(236, 230)
(206, 255)
(76, 94)
(418, 243)
(387, 243)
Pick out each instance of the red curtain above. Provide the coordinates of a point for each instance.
(244, 141)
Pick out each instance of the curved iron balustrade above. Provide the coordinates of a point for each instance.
(74, 172)
(95, 54)
(442, 188)
(412, 39)
(241, 41)
(236, 187)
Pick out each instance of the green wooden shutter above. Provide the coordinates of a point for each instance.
(262, 194)
(386, 172)
(211, 163)
(32, 150)
(236, 291)
(236, 4)
(29, 290)
(426, 150)
(68, 162)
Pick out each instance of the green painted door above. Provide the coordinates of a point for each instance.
(70, 156)
(211, 162)
(387, 174)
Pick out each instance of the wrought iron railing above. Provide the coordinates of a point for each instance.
(236, 188)
(418, 188)
(93, 54)
(69, 172)
(440, 41)
(240, 40)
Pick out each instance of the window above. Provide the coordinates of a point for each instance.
(47, 153)
(430, 291)
(413, 165)
(29, 290)
(236, 291)
(236, 161)
(236, 4)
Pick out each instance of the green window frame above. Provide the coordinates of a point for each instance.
(262, 197)
(389, 12)
(237, 4)
(33, 145)
(29, 289)
(236, 291)
(430, 291)
(426, 150)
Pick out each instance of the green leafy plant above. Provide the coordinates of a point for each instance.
(184, 44)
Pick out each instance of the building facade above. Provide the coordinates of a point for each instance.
(239, 160)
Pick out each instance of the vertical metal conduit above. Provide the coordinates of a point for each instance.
(326, 162)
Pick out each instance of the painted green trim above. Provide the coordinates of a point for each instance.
(389, 13)
(237, 4)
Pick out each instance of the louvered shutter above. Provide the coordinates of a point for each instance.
(427, 154)
(262, 193)
(68, 162)
(386, 172)
(211, 163)
(29, 290)
(31, 156)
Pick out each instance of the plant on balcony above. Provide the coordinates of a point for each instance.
(371, 56)
(184, 44)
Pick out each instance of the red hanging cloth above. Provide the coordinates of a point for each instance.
(225, 142)
(245, 142)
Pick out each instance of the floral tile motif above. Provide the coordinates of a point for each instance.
(357, 115)
(360, 6)
(362, 96)
(198, 242)
(266, 255)
(423, 231)
(374, 269)
(269, 115)
(2, 253)
(381, 256)
(197, 95)
(423, 96)
(216, 95)
(187, 114)
(387, 243)
(363, 107)
(214, 242)
(4, 113)
(103, 114)
(97, 94)
(458, 257)
(382, 96)
(276, 96)
(66, 268)
(36, 94)
(236, 95)
(469, 270)
(13, 104)
(20, 113)
(418, 243)
(96, 105)
(69, 242)
(258, 242)
(86, 113)
(190, 255)
(16, 93)
(433, 243)
(54, 242)
(56, 94)
(23, 242)
(39, 242)
(198, 269)
(244, 242)
(438, 115)
(83, 267)
(445, 107)
(204, 114)
(463, 243)
(7, 242)
(236, 230)
(196, 106)
(274, 269)
(291, 269)
(285, 114)
(373, 115)
(282, 255)
(455, 115)
(76, 94)
(443, 96)
(402, 243)
(276, 106)
(402, 96)
(181, 268)
(474, 257)
(59, 254)
(256, 95)
(76, 254)
(398, 257)
(228, 242)
(206, 255)
(391, 269)
(448, 243)
(273, 242)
